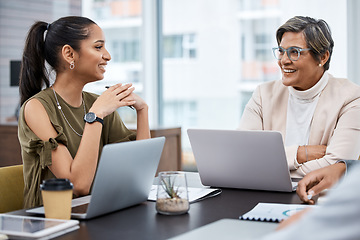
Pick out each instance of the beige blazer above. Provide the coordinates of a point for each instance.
(336, 121)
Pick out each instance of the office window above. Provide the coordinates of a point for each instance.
(180, 113)
(207, 83)
(126, 51)
(134, 76)
(116, 51)
(173, 46)
(257, 40)
(233, 43)
(179, 46)
(114, 9)
(262, 42)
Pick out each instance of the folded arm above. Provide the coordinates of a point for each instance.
(344, 143)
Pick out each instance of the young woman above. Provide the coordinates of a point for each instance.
(62, 129)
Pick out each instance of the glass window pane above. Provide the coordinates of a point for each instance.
(226, 53)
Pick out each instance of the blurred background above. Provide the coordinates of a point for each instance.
(196, 62)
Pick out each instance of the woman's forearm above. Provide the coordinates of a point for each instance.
(143, 130)
(310, 152)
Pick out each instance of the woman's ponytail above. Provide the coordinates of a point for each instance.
(33, 74)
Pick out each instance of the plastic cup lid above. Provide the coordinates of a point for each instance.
(56, 184)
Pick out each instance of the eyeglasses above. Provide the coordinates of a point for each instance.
(292, 52)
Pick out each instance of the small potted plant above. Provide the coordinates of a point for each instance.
(172, 195)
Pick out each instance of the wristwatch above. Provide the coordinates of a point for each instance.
(91, 117)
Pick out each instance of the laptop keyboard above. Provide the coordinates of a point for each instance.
(80, 208)
(80, 205)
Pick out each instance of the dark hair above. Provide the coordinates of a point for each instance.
(316, 32)
(39, 48)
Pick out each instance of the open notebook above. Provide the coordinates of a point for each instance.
(273, 212)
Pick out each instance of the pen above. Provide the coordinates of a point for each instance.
(128, 106)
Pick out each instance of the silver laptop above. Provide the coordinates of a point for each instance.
(124, 177)
(241, 159)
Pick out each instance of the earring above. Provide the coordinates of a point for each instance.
(319, 64)
(72, 65)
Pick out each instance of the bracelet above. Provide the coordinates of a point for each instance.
(306, 153)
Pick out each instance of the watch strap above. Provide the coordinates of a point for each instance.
(100, 120)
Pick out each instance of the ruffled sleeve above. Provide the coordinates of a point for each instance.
(36, 156)
(43, 148)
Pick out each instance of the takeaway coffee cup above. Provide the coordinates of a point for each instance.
(57, 195)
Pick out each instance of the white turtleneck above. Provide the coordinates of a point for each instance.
(301, 108)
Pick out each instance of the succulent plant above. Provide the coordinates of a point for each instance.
(169, 188)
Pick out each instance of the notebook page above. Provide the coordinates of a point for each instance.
(195, 194)
(273, 212)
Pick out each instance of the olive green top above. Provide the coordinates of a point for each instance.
(36, 153)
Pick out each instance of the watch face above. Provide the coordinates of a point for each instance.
(90, 117)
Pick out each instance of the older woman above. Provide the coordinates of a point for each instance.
(317, 114)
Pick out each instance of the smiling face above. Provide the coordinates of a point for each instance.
(93, 56)
(303, 73)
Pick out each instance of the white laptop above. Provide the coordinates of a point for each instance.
(124, 178)
(241, 159)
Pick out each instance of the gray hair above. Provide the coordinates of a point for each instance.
(316, 32)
